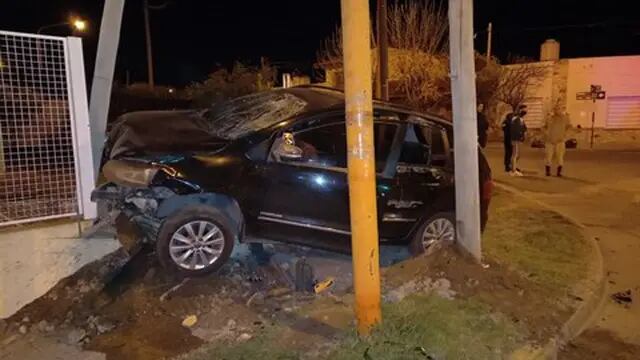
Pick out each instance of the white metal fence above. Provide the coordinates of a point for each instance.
(43, 127)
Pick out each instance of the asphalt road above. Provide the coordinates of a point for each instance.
(601, 189)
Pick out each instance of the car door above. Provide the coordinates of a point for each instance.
(422, 182)
(307, 199)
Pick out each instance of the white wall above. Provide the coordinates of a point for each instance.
(618, 75)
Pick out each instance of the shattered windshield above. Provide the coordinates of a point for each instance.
(241, 116)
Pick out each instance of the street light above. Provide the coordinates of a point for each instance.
(75, 23)
(79, 24)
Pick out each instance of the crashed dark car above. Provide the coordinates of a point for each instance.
(273, 165)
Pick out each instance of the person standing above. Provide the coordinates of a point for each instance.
(518, 133)
(483, 126)
(508, 149)
(555, 130)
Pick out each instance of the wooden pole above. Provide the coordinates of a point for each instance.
(489, 39)
(383, 50)
(361, 163)
(465, 126)
(147, 32)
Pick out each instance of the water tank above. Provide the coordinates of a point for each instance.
(550, 50)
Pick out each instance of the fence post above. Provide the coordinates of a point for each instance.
(79, 113)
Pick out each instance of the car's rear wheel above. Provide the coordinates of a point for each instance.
(194, 242)
(437, 232)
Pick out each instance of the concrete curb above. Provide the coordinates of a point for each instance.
(596, 283)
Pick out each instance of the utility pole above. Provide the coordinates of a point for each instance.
(383, 50)
(465, 126)
(489, 38)
(103, 76)
(361, 163)
(147, 31)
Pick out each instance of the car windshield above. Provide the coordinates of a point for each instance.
(238, 117)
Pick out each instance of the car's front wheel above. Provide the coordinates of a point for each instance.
(437, 232)
(195, 241)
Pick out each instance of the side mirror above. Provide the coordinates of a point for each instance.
(287, 149)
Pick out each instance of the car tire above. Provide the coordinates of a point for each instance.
(195, 241)
(437, 232)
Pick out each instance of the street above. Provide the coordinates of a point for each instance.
(601, 189)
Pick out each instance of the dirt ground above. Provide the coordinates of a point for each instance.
(139, 314)
(597, 344)
(505, 290)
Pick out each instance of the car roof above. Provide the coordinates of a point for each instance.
(321, 99)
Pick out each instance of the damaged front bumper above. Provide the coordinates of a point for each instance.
(131, 211)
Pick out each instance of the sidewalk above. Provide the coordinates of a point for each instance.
(33, 258)
(601, 190)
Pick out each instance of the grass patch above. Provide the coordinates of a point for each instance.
(414, 328)
(261, 347)
(429, 325)
(539, 243)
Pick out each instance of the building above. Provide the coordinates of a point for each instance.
(615, 117)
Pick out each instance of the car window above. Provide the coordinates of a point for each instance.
(424, 145)
(238, 117)
(326, 145)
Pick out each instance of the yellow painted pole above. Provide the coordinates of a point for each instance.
(361, 162)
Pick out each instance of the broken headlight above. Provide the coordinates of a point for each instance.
(130, 173)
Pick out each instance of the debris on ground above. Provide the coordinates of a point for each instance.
(100, 326)
(76, 336)
(623, 297)
(8, 341)
(440, 287)
(164, 296)
(244, 337)
(189, 321)
(323, 285)
(424, 353)
(43, 326)
(23, 329)
(304, 276)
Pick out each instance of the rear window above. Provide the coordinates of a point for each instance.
(238, 117)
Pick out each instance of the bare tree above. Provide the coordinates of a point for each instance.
(420, 26)
(518, 80)
(418, 52)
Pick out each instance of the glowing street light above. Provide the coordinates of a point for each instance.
(75, 23)
(79, 24)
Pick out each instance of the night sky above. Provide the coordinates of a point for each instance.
(193, 37)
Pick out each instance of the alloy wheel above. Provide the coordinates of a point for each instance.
(196, 245)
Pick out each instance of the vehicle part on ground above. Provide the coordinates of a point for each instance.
(195, 241)
(437, 232)
(305, 278)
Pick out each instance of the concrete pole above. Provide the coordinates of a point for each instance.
(361, 163)
(147, 32)
(465, 130)
(103, 76)
(383, 50)
(489, 38)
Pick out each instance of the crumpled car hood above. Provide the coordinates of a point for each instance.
(148, 132)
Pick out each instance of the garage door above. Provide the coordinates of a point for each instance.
(535, 113)
(623, 112)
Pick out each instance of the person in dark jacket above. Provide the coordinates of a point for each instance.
(508, 149)
(518, 131)
(508, 143)
(483, 126)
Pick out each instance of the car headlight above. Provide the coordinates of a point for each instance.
(130, 173)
